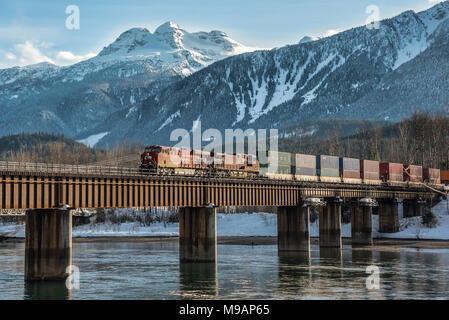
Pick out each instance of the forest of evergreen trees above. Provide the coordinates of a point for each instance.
(423, 139)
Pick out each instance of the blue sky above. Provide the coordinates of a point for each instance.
(34, 30)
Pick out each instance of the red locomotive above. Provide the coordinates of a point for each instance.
(193, 162)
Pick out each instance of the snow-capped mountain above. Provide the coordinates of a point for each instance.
(364, 73)
(80, 99)
(172, 47)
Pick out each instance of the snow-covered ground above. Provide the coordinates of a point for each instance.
(256, 224)
(92, 140)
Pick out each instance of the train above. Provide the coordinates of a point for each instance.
(170, 160)
(289, 166)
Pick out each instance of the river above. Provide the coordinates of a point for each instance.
(151, 270)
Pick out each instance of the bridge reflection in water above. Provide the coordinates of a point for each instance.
(151, 270)
(48, 290)
(198, 280)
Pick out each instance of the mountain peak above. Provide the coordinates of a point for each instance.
(129, 39)
(171, 34)
(168, 26)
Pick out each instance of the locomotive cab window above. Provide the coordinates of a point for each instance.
(155, 150)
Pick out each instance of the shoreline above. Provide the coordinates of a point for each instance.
(378, 243)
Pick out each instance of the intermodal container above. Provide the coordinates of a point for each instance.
(369, 170)
(390, 171)
(283, 158)
(328, 166)
(445, 176)
(431, 175)
(413, 173)
(349, 168)
(279, 169)
(305, 165)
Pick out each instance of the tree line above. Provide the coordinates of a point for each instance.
(49, 148)
(422, 139)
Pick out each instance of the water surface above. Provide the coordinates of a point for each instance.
(151, 270)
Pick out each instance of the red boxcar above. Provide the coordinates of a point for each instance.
(413, 173)
(431, 175)
(390, 171)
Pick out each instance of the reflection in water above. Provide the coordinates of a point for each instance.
(46, 290)
(151, 270)
(198, 280)
(388, 261)
(362, 257)
(331, 256)
(295, 272)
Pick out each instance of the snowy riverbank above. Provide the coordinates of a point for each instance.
(244, 224)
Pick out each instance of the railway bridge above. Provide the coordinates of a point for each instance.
(48, 193)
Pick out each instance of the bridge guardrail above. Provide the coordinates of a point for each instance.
(66, 168)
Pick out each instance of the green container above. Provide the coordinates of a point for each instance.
(281, 169)
(283, 158)
(328, 172)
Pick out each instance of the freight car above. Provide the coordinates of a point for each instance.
(304, 167)
(169, 160)
(328, 168)
(350, 170)
(392, 173)
(431, 175)
(413, 174)
(445, 177)
(299, 167)
(370, 172)
(275, 165)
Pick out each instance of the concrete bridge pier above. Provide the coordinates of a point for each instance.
(388, 216)
(197, 234)
(330, 224)
(361, 223)
(48, 244)
(413, 208)
(293, 228)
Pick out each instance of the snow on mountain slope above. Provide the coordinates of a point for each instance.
(168, 48)
(85, 99)
(319, 79)
(136, 88)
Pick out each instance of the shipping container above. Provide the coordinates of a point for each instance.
(445, 176)
(390, 171)
(328, 166)
(369, 171)
(276, 175)
(431, 175)
(413, 173)
(304, 165)
(349, 168)
(280, 169)
(283, 158)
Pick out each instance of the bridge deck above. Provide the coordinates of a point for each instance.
(42, 186)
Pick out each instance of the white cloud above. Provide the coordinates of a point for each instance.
(435, 1)
(29, 54)
(10, 56)
(67, 57)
